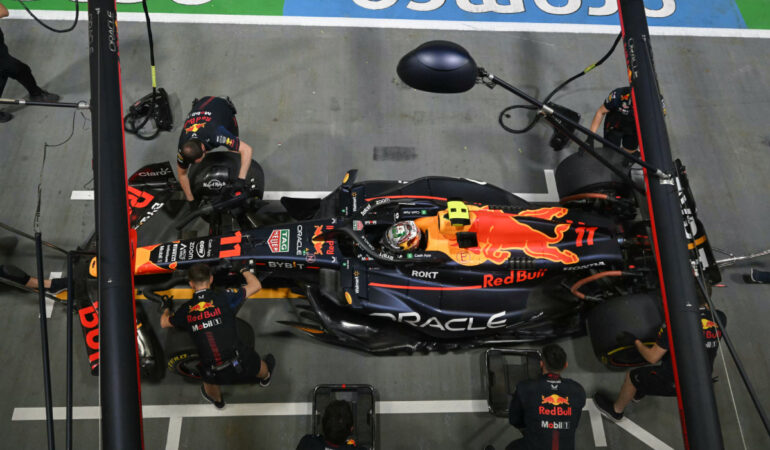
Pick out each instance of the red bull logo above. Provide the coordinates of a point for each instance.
(554, 400)
(194, 127)
(556, 408)
(203, 313)
(710, 330)
(498, 233)
(516, 276)
(201, 306)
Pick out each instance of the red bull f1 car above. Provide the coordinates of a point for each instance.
(491, 268)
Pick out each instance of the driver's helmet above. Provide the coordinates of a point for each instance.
(402, 236)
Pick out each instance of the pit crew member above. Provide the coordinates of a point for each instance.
(656, 379)
(337, 426)
(547, 410)
(619, 123)
(210, 317)
(210, 124)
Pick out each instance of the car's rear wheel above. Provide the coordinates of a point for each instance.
(638, 314)
(581, 173)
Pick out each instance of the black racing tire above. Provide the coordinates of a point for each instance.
(185, 364)
(183, 356)
(638, 314)
(580, 173)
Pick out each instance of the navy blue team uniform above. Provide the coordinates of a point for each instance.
(210, 317)
(317, 442)
(619, 124)
(547, 410)
(211, 121)
(659, 379)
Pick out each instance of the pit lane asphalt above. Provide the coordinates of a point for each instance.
(314, 102)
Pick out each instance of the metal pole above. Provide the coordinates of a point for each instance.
(22, 102)
(121, 423)
(692, 371)
(70, 312)
(31, 237)
(44, 341)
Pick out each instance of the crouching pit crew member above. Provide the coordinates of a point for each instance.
(656, 379)
(337, 426)
(547, 410)
(210, 124)
(210, 317)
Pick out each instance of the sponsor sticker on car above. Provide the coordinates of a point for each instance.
(278, 242)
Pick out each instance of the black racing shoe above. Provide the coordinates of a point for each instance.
(606, 407)
(219, 404)
(759, 276)
(44, 96)
(637, 397)
(57, 285)
(5, 117)
(270, 361)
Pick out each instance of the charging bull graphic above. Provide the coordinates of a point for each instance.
(554, 400)
(498, 232)
(201, 306)
(195, 127)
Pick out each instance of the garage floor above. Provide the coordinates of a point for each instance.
(314, 102)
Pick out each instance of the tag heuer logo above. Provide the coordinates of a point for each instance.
(279, 241)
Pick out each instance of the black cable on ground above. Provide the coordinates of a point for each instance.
(134, 114)
(72, 27)
(504, 113)
(733, 353)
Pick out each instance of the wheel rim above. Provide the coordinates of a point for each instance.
(189, 367)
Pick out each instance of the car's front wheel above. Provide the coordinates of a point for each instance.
(637, 314)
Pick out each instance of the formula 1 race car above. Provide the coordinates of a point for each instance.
(489, 268)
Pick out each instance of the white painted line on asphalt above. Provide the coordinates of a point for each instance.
(177, 412)
(59, 413)
(82, 195)
(551, 195)
(174, 433)
(432, 407)
(50, 302)
(643, 435)
(352, 22)
(600, 440)
(259, 409)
